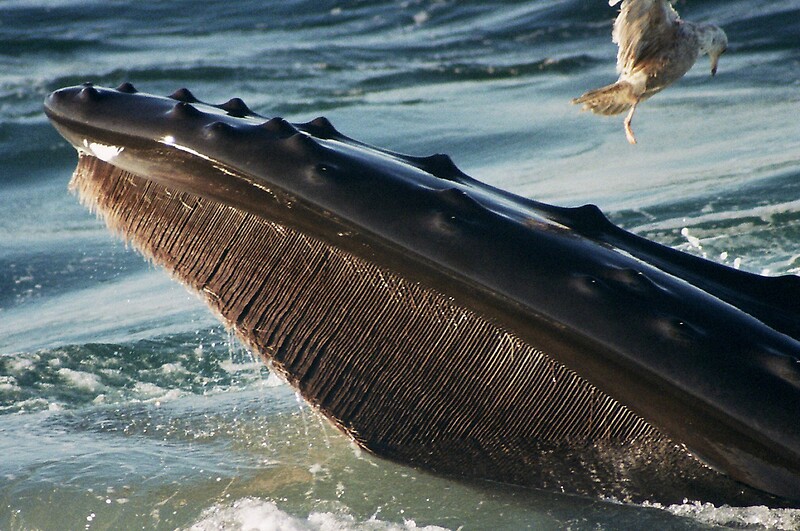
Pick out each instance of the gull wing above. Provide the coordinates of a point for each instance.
(643, 30)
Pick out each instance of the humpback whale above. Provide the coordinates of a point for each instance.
(449, 325)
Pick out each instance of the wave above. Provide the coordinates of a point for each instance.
(264, 514)
(256, 514)
(753, 226)
(76, 376)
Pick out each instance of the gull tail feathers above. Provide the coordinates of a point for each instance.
(608, 100)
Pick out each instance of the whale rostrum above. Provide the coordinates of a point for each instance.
(449, 325)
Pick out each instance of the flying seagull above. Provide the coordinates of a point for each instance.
(656, 48)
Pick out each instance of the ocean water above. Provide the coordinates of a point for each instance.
(124, 404)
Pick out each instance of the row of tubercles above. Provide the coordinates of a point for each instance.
(301, 139)
(439, 165)
(320, 127)
(276, 128)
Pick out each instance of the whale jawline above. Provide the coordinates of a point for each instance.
(449, 325)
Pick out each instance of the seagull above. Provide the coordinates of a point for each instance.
(656, 48)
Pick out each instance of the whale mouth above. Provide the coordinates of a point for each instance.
(445, 324)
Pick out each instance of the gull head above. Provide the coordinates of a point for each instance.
(714, 42)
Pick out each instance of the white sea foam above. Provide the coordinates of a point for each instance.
(255, 514)
(31, 404)
(81, 380)
(19, 364)
(8, 384)
(173, 368)
(421, 17)
(755, 518)
(232, 367)
(147, 390)
(154, 394)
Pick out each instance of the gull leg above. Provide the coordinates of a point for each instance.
(628, 119)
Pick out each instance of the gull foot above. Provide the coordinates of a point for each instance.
(629, 135)
(628, 121)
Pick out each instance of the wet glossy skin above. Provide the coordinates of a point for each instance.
(707, 354)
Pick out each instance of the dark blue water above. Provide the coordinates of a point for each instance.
(123, 403)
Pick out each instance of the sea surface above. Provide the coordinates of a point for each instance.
(123, 402)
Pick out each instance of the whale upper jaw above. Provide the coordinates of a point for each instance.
(665, 349)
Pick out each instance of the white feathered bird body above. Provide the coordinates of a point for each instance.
(656, 48)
